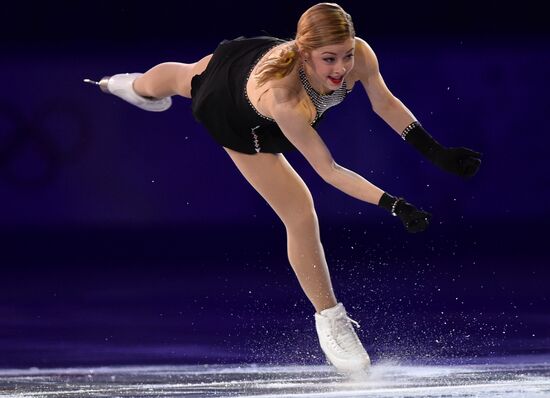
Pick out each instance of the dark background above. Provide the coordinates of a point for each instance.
(130, 237)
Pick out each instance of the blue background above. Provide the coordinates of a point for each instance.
(129, 236)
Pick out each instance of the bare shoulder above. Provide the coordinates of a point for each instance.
(366, 62)
(285, 102)
(284, 97)
(367, 71)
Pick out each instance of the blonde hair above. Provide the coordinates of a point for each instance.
(322, 25)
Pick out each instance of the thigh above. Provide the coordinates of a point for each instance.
(185, 73)
(199, 66)
(277, 182)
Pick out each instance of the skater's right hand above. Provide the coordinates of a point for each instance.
(413, 220)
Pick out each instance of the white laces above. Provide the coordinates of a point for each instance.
(343, 335)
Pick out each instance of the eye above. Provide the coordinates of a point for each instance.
(350, 56)
(328, 59)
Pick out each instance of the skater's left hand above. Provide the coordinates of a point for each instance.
(460, 161)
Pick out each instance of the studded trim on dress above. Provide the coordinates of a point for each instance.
(255, 138)
(248, 77)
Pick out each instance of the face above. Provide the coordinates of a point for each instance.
(328, 66)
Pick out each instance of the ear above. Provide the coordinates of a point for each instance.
(304, 54)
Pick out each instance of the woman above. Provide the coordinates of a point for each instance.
(263, 96)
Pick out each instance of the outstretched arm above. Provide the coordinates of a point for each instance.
(296, 128)
(294, 124)
(383, 102)
(461, 161)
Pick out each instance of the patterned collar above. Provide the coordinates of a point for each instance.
(322, 102)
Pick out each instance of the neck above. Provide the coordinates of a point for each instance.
(317, 86)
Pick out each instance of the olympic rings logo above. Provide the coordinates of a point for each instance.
(33, 151)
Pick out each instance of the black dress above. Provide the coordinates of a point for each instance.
(220, 102)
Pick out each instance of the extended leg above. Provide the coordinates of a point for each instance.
(169, 78)
(153, 90)
(278, 183)
(275, 179)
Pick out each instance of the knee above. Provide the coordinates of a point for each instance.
(302, 219)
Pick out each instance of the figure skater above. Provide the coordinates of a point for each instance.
(263, 96)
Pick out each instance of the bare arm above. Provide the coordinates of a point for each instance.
(461, 161)
(296, 128)
(384, 103)
(354, 185)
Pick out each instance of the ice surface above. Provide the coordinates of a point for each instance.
(512, 377)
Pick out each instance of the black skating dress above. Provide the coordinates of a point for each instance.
(220, 102)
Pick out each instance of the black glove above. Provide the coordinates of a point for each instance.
(413, 219)
(461, 161)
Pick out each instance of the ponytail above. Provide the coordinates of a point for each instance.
(321, 25)
(278, 66)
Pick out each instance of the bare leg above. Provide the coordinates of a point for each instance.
(279, 184)
(273, 177)
(169, 78)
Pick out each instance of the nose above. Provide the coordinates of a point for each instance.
(341, 68)
(340, 71)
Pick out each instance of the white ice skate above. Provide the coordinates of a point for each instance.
(339, 341)
(121, 85)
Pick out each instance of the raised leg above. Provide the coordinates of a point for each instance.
(169, 78)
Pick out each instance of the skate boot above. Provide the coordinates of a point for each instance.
(339, 341)
(121, 85)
